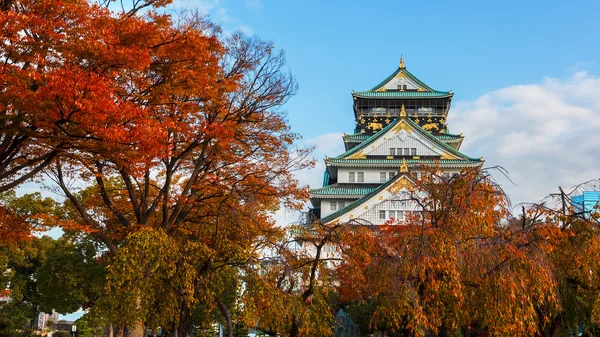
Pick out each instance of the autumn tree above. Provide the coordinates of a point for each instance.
(193, 144)
(456, 266)
(62, 61)
(290, 290)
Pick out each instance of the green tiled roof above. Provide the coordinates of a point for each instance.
(409, 162)
(406, 94)
(416, 127)
(335, 189)
(448, 136)
(357, 137)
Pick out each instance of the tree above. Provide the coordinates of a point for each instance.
(455, 266)
(221, 157)
(62, 63)
(72, 275)
(24, 264)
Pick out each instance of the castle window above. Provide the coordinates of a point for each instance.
(382, 177)
(406, 151)
(392, 175)
(361, 177)
(341, 204)
(392, 151)
(382, 215)
(333, 205)
(392, 214)
(413, 151)
(351, 177)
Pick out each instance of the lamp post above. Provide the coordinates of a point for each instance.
(73, 330)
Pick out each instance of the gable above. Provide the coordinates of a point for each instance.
(395, 196)
(402, 82)
(400, 134)
(405, 139)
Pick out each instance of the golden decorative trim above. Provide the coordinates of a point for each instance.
(417, 121)
(416, 157)
(401, 75)
(402, 126)
(387, 121)
(400, 184)
(430, 126)
(357, 155)
(366, 207)
(389, 157)
(375, 126)
(402, 111)
(381, 197)
(404, 167)
(362, 130)
(402, 62)
(351, 216)
(421, 89)
(447, 156)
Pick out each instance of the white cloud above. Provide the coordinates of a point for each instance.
(545, 134)
(219, 13)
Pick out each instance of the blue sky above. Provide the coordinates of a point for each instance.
(525, 75)
(471, 47)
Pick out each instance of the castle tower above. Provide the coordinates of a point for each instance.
(400, 128)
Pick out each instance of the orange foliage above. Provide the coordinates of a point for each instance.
(460, 265)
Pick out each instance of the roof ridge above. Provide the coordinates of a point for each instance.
(409, 74)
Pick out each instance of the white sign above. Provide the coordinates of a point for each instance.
(73, 328)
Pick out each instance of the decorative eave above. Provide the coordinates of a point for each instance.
(411, 163)
(335, 190)
(402, 94)
(355, 137)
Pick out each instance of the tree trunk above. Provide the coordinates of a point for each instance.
(35, 314)
(136, 329)
(227, 316)
(175, 331)
(295, 330)
(110, 330)
(121, 331)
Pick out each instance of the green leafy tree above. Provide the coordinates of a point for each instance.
(72, 276)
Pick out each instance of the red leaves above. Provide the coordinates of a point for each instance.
(12, 228)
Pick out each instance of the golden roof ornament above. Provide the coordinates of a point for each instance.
(402, 111)
(402, 62)
(404, 167)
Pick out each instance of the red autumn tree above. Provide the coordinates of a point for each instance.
(204, 145)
